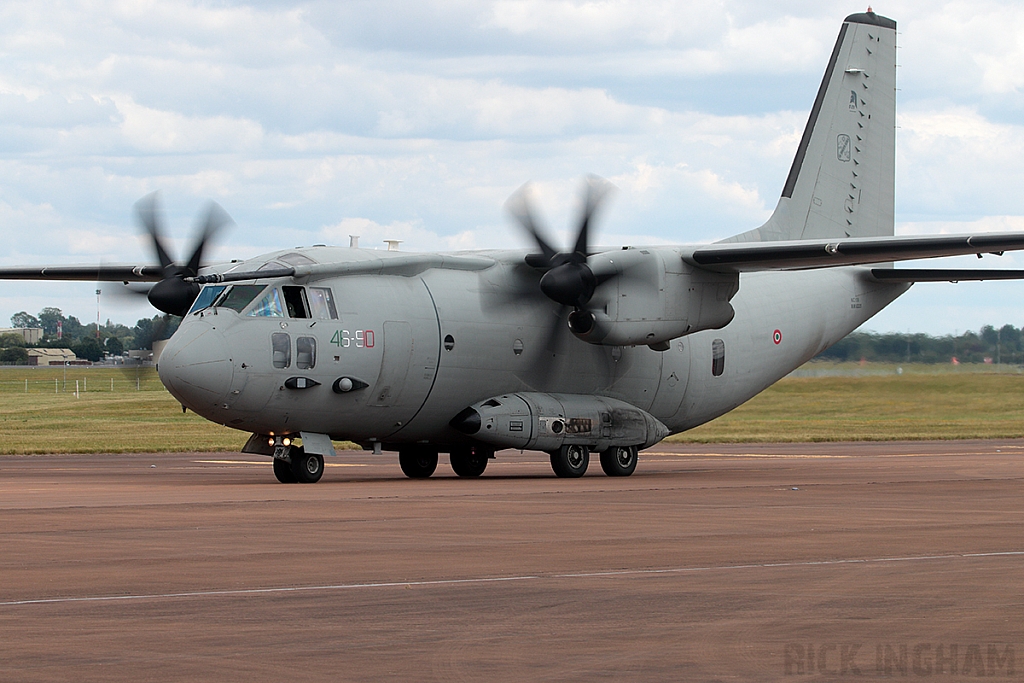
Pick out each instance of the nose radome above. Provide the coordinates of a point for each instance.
(195, 368)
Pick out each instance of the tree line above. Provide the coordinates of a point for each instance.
(86, 341)
(987, 345)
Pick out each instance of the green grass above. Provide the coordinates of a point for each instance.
(137, 416)
(844, 402)
(925, 402)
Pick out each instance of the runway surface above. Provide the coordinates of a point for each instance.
(738, 562)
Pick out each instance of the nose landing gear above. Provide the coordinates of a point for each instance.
(304, 468)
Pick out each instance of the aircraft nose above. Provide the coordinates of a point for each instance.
(195, 367)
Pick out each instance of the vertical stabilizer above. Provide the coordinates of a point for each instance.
(842, 180)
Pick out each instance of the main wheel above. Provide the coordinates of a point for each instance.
(283, 472)
(417, 463)
(570, 461)
(469, 461)
(308, 467)
(619, 461)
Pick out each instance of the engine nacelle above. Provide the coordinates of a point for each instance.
(547, 421)
(651, 296)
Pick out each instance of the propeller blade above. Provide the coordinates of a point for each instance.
(519, 206)
(148, 212)
(125, 292)
(216, 218)
(596, 190)
(568, 279)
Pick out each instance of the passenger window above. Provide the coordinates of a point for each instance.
(269, 306)
(281, 344)
(207, 297)
(305, 353)
(240, 296)
(717, 357)
(295, 302)
(321, 303)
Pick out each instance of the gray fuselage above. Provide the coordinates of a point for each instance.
(428, 345)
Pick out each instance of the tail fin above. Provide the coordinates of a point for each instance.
(842, 180)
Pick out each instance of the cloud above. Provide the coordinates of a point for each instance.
(416, 120)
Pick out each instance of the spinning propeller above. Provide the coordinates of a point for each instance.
(172, 294)
(567, 279)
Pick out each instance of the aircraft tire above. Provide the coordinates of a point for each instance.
(283, 472)
(619, 461)
(570, 461)
(417, 463)
(307, 467)
(469, 461)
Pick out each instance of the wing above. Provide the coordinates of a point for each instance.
(802, 254)
(105, 273)
(943, 274)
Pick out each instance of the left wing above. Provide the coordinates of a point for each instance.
(108, 273)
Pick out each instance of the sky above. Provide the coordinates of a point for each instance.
(415, 120)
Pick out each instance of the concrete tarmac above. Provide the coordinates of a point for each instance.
(723, 562)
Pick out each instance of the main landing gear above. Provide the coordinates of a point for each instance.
(304, 468)
(572, 460)
(419, 462)
(470, 461)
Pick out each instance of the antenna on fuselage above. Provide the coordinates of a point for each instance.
(392, 244)
(353, 241)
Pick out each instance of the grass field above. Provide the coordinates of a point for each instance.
(964, 404)
(121, 411)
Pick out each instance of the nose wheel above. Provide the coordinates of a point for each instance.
(304, 468)
(283, 472)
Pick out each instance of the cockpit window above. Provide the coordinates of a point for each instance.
(240, 296)
(295, 302)
(207, 297)
(270, 265)
(269, 306)
(321, 303)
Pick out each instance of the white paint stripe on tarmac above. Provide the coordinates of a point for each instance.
(500, 579)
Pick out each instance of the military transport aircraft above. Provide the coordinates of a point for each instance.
(569, 352)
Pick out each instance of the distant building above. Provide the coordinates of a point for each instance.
(51, 357)
(31, 335)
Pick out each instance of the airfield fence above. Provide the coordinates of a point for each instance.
(77, 378)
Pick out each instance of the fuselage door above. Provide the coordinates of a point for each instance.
(675, 373)
(398, 346)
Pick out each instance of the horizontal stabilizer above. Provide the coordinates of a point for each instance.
(943, 274)
(802, 254)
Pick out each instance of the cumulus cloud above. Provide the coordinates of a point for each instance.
(310, 121)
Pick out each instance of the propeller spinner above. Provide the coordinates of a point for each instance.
(173, 294)
(568, 279)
